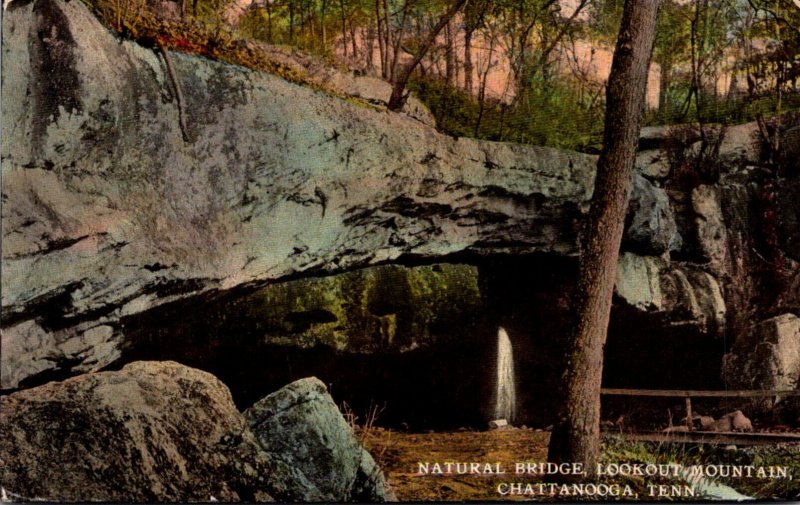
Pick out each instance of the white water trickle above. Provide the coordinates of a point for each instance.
(506, 395)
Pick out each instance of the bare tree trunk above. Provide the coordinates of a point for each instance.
(387, 35)
(353, 39)
(323, 12)
(370, 49)
(482, 91)
(398, 41)
(381, 41)
(291, 22)
(397, 100)
(269, 21)
(344, 30)
(468, 61)
(449, 69)
(576, 437)
(663, 91)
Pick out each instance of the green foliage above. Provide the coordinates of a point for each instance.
(617, 451)
(720, 109)
(549, 113)
(554, 106)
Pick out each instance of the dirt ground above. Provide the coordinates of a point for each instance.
(399, 454)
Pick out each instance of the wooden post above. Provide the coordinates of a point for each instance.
(689, 422)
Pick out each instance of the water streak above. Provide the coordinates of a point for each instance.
(506, 395)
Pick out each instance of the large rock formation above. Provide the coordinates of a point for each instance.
(301, 425)
(151, 432)
(110, 208)
(125, 208)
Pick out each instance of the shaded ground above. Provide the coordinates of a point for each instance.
(399, 454)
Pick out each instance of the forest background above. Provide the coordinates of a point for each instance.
(528, 71)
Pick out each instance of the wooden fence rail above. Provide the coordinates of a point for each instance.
(681, 393)
(688, 394)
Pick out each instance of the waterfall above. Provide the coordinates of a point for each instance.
(505, 395)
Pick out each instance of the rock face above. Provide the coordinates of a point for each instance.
(740, 144)
(682, 294)
(108, 211)
(651, 227)
(301, 426)
(710, 226)
(653, 164)
(152, 432)
(769, 358)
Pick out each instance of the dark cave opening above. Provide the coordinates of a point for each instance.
(445, 384)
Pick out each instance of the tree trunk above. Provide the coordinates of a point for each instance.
(269, 21)
(291, 22)
(449, 69)
(482, 92)
(397, 100)
(344, 29)
(323, 12)
(387, 35)
(468, 61)
(576, 437)
(370, 49)
(663, 91)
(381, 44)
(353, 39)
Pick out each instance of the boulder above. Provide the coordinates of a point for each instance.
(497, 424)
(651, 227)
(705, 421)
(732, 421)
(740, 144)
(740, 422)
(766, 358)
(151, 432)
(666, 137)
(301, 426)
